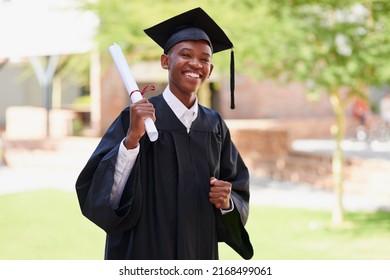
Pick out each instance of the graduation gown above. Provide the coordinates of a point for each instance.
(164, 211)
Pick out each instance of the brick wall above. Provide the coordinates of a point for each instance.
(113, 97)
(270, 100)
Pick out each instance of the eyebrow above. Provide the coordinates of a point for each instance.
(189, 49)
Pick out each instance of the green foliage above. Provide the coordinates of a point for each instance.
(326, 44)
(123, 22)
(336, 43)
(76, 66)
(82, 101)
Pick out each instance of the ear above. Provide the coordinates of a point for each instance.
(211, 70)
(164, 61)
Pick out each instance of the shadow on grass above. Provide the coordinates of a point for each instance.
(369, 222)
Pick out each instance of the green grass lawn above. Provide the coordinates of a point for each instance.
(47, 224)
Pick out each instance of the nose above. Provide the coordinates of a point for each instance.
(195, 63)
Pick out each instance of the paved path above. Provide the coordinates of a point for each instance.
(267, 192)
(59, 169)
(38, 169)
(351, 148)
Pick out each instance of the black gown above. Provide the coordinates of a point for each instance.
(165, 211)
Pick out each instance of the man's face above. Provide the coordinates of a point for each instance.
(189, 65)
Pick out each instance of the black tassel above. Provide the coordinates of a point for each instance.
(232, 79)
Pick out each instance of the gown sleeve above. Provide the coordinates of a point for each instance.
(94, 184)
(230, 226)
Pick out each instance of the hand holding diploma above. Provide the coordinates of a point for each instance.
(131, 86)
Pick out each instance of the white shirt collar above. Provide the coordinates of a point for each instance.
(185, 115)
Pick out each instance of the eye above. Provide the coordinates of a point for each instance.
(185, 55)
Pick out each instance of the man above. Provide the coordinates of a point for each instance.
(177, 197)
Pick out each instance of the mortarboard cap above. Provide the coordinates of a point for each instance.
(194, 24)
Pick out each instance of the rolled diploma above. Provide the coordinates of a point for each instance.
(131, 86)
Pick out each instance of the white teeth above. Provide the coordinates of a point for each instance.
(193, 75)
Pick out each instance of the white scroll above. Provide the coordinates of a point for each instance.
(131, 86)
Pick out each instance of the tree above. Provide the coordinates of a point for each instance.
(335, 47)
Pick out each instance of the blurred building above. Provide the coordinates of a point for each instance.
(34, 35)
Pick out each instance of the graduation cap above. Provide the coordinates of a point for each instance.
(194, 24)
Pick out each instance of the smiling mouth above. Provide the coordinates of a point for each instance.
(193, 75)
